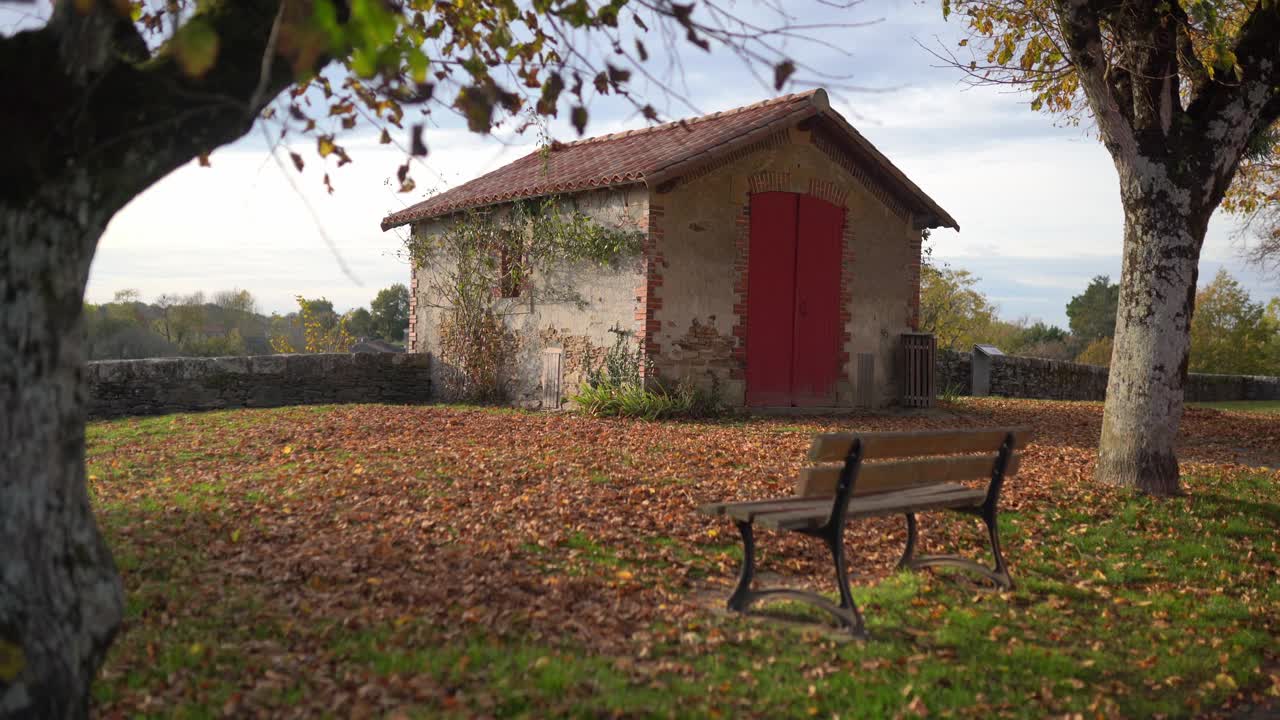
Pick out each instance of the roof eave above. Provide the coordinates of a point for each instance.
(389, 224)
(937, 216)
(692, 161)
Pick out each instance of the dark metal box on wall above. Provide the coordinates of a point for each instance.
(982, 355)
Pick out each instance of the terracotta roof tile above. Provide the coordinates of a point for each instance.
(651, 155)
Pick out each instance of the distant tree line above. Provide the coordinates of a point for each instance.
(229, 323)
(1230, 332)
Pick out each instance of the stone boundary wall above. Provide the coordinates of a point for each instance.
(163, 385)
(954, 372)
(1036, 378)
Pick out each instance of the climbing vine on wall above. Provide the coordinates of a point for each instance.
(482, 265)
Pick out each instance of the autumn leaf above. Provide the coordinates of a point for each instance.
(578, 116)
(783, 72)
(418, 148)
(195, 47)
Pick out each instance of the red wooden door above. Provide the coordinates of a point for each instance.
(771, 278)
(816, 351)
(793, 300)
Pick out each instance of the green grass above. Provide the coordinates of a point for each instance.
(1126, 606)
(1257, 406)
(1090, 630)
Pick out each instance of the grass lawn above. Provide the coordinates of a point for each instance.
(439, 561)
(1258, 406)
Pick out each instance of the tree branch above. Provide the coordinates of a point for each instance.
(1228, 114)
(191, 115)
(108, 111)
(1082, 32)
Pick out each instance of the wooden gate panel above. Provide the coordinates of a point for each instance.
(771, 270)
(816, 351)
(919, 365)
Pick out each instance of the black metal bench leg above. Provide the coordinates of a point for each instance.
(853, 619)
(742, 594)
(1001, 575)
(998, 575)
(912, 534)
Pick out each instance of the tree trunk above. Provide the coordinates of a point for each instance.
(60, 596)
(97, 118)
(1162, 241)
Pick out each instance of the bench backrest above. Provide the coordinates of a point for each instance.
(937, 456)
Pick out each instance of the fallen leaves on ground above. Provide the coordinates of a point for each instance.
(305, 526)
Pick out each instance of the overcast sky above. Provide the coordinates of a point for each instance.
(1038, 204)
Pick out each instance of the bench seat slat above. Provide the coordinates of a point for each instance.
(899, 474)
(956, 496)
(932, 498)
(750, 514)
(833, 447)
(752, 510)
(727, 508)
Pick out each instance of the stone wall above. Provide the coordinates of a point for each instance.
(163, 385)
(955, 372)
(1216, 388)
(1025, 377)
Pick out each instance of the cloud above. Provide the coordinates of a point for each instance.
(1038, 204)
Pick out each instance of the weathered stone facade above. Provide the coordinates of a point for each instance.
(1036, 378)
(601, 299)
(689, 187)
(704, 245)
(164, 385)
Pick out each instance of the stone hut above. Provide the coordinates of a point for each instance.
(780, 262)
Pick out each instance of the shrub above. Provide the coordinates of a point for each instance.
(476, 348)
(1097, 353)
(617, 389)
(634, 400)
(951, 393)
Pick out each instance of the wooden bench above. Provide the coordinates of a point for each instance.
(828, 495)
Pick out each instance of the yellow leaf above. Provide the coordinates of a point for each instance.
(625, 575)
(196, 649)
(287, 449)
(196, 48)
(12, 660)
